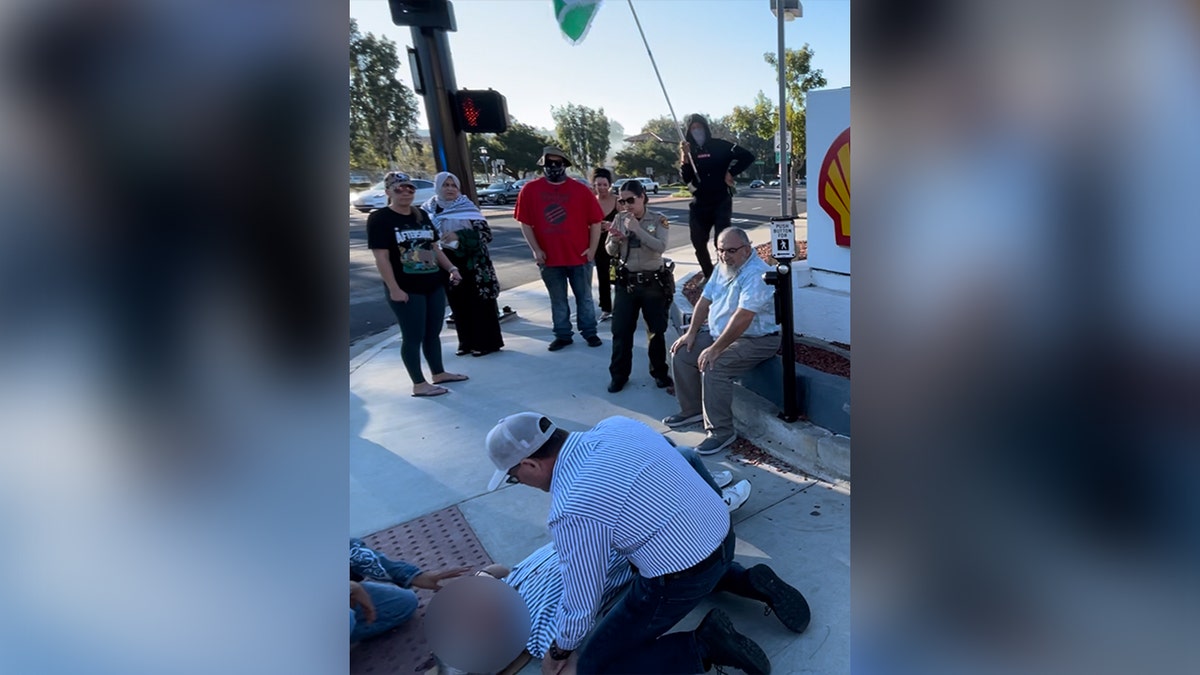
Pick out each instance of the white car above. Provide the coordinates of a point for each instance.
(376, 197)
(650, 185)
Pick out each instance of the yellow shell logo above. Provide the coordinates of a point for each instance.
(833, 187)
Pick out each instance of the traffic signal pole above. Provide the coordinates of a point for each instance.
(449, 145)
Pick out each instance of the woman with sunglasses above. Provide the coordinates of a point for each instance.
(410, 262)
(637, 238)
(602, 186)
(465, 236)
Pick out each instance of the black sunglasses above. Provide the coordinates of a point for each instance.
(555, 162)
(629, 201)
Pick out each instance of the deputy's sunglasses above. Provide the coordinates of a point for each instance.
(629, 201)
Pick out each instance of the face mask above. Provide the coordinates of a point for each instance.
(698, 136)
(555, 174)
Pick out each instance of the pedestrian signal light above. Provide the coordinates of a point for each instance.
(481, 111)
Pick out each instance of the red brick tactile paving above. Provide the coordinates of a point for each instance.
(440, 539)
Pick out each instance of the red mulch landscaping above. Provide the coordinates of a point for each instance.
(749, 453)
(822, 360)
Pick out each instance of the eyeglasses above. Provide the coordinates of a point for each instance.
(629, 201)
(404, 188)
(555, 163)
(730, 251)
(511, 479)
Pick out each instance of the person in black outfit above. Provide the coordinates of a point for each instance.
(717, 162)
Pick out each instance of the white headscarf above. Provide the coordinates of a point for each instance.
(450, 215)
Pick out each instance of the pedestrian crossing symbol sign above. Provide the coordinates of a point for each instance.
(783, 238)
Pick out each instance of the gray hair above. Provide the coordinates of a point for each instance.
(741, 234)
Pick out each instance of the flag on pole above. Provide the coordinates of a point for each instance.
(575, 17)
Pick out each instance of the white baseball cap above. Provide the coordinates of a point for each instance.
(513, 439)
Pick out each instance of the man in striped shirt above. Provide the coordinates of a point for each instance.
(622, 487)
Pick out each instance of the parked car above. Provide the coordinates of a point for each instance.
(376, 197)
(773, 183)
(360, 179)
(649, 184)
(754, 184)
(500, 192)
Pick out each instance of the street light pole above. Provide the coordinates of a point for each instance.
(783, 139)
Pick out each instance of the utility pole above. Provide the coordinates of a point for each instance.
(429, 21)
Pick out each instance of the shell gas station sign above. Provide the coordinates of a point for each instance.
(833, 187)
(828, 170)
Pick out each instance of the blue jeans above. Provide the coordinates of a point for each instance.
(693, 458)
(627, 639)
(580, 279)
(393, 606)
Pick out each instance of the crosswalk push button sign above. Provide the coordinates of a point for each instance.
(783, 238)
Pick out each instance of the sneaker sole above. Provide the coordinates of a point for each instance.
(787, 603)
(754, 659)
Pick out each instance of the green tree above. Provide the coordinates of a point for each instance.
(663, 127)
(662, 158)
(383, 112)
(754, 127)
(799, 78)
(583, 133)
(520, 147)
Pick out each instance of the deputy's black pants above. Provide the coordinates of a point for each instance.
(652, 301)
(705, 219)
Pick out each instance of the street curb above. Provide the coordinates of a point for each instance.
(808, 448)
(385, 339)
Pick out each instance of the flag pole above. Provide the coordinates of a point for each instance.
(674, 118)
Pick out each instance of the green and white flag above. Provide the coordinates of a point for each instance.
(575, 17)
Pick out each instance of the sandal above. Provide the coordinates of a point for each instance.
(449, 377)
(435, 391)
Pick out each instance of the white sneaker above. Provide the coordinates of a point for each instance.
(722, 478)
(736, 495)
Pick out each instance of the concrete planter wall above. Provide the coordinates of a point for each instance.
(821, 397)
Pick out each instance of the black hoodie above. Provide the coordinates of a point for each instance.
(714, 157)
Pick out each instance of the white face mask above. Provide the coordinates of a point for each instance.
(698, 136)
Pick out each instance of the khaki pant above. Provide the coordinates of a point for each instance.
(711, 392)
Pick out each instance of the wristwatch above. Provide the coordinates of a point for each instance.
(558, 654)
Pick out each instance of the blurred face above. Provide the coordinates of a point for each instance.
(450, 190)
(628, 201)
(602, 185)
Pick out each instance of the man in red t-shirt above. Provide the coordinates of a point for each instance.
(560, 219)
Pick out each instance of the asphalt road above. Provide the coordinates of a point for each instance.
(370, 314)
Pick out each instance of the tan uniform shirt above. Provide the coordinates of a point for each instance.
(647, 239)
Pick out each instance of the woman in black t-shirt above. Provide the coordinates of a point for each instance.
(404, 243)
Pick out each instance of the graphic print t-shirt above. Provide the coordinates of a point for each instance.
(410, 241)
(561, 216)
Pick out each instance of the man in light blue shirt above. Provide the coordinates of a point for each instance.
(740, 310)
(622, 487)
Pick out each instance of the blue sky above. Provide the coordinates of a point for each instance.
(709, 53)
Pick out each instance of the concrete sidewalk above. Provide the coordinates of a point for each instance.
(412, 456)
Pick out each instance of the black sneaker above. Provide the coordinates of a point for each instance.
(663, 382)
(594, 341)
(724, 646)
(787, 602)
(559, 343)
(617, 384)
